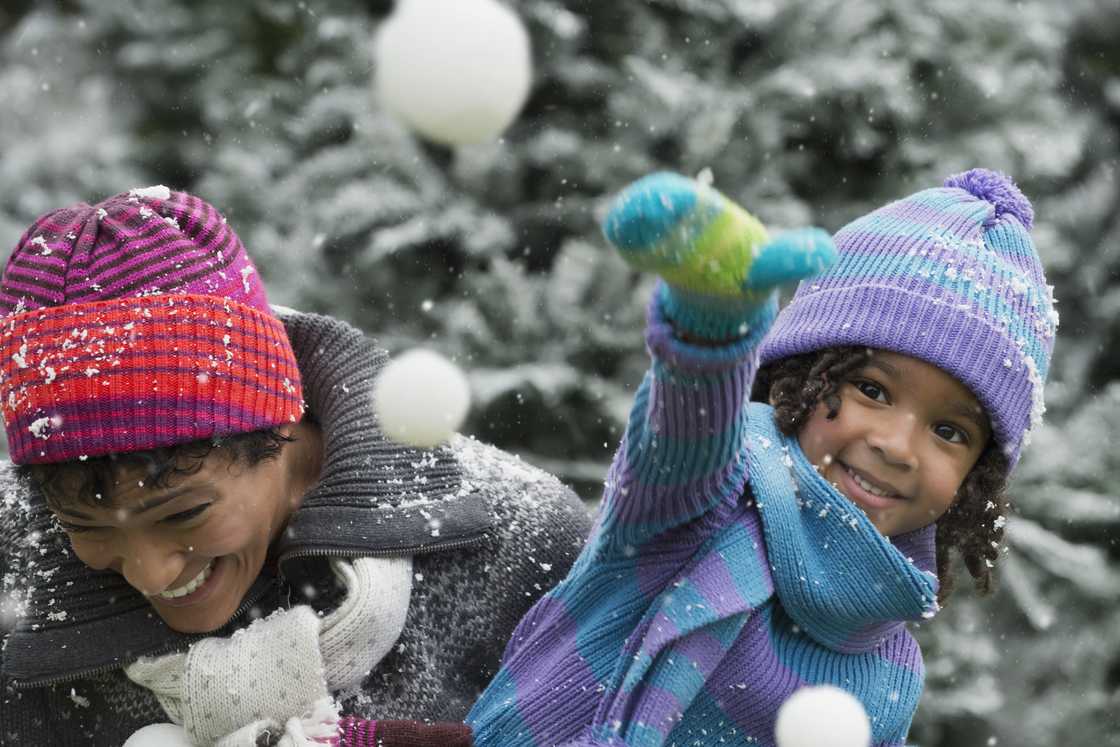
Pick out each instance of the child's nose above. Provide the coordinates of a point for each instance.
(893, 440)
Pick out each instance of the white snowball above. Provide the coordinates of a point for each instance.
(457, 71)
(421, 398)
(824, 715)
(159, 735)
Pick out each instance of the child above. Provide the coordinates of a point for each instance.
(193, 464)
(744, 550)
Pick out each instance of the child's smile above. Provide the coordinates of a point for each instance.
(906, 436)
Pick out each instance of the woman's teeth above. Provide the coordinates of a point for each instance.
(191, 585)
(868, 486)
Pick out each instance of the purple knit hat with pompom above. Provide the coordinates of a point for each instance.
(950, 276)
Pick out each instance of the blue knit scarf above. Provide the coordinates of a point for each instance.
(841, 581)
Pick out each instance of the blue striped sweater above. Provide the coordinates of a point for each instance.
(722, 574)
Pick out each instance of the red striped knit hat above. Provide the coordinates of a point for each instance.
(136, 323)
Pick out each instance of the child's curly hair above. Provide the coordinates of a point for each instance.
(973, 525)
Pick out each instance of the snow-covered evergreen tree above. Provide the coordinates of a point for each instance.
(806, 111)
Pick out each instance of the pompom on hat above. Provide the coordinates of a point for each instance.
(950, 276)
(137, 323)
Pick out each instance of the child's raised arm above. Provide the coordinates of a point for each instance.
(682, 453)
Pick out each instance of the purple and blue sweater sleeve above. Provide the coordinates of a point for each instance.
(683, 451)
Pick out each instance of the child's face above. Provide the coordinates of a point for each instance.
(906, 436)
(219, 521)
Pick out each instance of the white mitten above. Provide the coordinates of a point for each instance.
(270, 670)
(281, 669)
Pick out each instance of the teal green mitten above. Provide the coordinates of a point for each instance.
(719, 264)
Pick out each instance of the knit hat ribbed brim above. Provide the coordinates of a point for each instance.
(136, 323)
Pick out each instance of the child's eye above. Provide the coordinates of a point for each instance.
(187, 515)
(951, 433)
(871, 390)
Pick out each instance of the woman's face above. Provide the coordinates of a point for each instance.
(195, 547)
(905, 438)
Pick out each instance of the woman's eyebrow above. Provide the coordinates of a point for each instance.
(142, 506)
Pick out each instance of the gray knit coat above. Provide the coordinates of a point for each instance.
(488, 535)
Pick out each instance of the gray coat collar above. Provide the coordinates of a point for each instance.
(374, 498)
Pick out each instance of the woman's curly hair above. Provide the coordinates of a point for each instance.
(89, 482)
(973, 525)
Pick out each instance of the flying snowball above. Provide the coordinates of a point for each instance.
(421, 398)
(159, 735)
(824, 715)
(456, 72)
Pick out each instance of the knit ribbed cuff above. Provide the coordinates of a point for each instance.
(716, 319)
(358, 732)
(130, 374)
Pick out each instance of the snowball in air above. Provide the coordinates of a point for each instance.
(421, 398)
(159, 735)
(456, 72)
(824, 715)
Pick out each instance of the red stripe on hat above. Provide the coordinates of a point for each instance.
(223, 365)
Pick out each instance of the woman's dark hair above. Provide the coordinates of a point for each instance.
(89, 481)
(973, 525)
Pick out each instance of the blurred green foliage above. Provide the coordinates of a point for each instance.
(806, 111)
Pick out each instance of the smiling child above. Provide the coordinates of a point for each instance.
(746, 549)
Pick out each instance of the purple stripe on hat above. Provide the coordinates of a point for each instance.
(108, 245)
(127, 248)
(938, 207)
(61, 222)
(955, 340)
(35, 285)
(169, 270)
(148, 244)
(870, 239)
(161, 422)
(987, 309)
(158, 411)
(132, 257)
(42, 296)
(52, 264)
(34, 277)
(873, 242)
